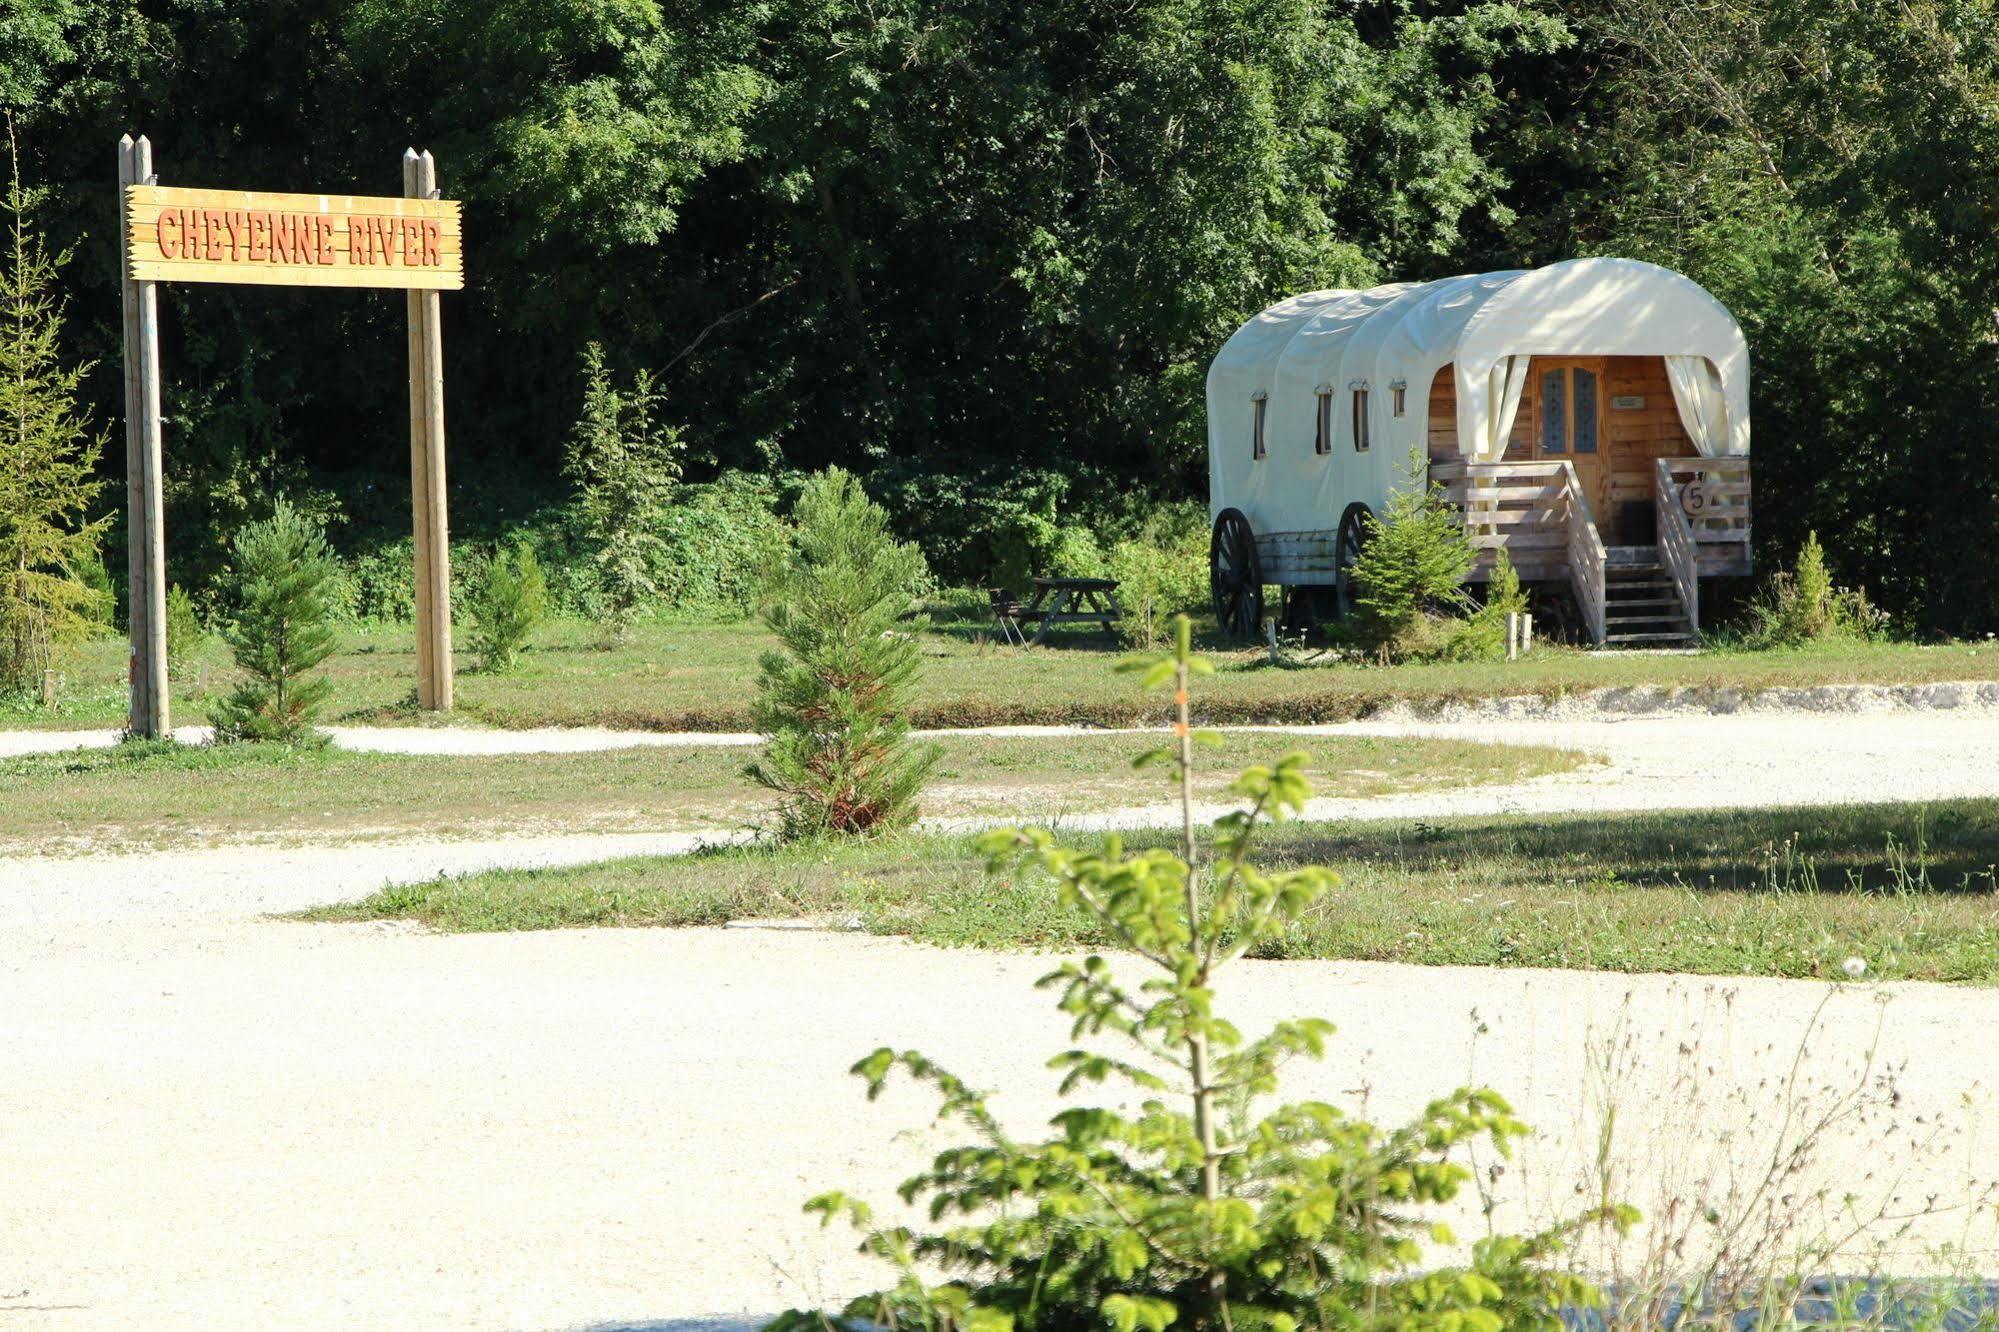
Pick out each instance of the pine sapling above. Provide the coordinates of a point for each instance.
(510, 604)
(283, 579)
(833, 700)
(48, 460)
(1415, 559)
(1202, 1210)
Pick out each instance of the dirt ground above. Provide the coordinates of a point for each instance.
(217, 1120)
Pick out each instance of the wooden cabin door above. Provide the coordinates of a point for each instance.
(1568, 427)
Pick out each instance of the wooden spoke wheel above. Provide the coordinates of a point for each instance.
(1347, 545)
(1235, 576)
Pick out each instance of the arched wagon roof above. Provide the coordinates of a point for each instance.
(1401, 335)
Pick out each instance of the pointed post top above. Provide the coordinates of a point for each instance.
(145, 144)
(409, 154)
(125, 142)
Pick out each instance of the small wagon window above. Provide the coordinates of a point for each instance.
(1360, 439)
(1400, 399)
(1256, 432)
(1322, 431)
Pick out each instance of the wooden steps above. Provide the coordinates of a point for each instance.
(1642, 605)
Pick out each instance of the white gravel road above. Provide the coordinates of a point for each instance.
(213, 1120)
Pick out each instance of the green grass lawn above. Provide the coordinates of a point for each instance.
(701, 676)
(168, 795)
(1758, 892)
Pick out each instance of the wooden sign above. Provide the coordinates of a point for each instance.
(301, 240)
(1694, 499)
(1627, 402)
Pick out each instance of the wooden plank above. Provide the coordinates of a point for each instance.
(1520, 541)
(307, 240)
(427, 390)
(151, 701)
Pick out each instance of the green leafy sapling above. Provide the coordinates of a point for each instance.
(1203, 1210)
(625, 461)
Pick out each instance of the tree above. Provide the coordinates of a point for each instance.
(283, 581)
(1200, 1211)
(48, 459)
(1414, 560)
(512, 601)
(833, 701)
(625, 463)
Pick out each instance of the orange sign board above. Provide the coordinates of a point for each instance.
(303, 240)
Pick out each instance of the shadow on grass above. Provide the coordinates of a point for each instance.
(1949, 848)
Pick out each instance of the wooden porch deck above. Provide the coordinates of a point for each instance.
(1538, 513)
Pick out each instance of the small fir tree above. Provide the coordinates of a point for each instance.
(1204, 1210)
(283, 580)
(48, 460)
(510, 604)
(184, 635)
(1415, 559)
(625, 462)
(832, 701)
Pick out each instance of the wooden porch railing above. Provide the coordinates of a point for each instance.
(1718, 513)
(1537, 513)
(1678, 550)
(1587, 556)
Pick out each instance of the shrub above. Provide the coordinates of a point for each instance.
(510, 604)
(282, 582)
(832, 701)
(625, 462)
(1161, 572)
(1482, 635)
(1804, 606)
(1215, 1214)
(716, 543)
(185, 635)
(1415, 560)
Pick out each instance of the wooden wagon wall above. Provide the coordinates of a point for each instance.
(1629, 438)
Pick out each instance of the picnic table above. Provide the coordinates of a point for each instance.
(1072, 601)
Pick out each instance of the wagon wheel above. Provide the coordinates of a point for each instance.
(1347, 545)
(1235, 576)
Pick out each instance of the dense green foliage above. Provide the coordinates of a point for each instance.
(834, 700)
(1203, 1210)
(980, 255)
(48, 456)
(282, 585)
(511, 603)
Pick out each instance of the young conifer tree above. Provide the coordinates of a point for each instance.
(48, 459)
(625, 462)
(1416, 557)
(283, 579)
(832, 701)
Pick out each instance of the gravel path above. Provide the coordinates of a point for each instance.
(213, 1120)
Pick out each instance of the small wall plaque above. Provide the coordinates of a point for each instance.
(1627, 402)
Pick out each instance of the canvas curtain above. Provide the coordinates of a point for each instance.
(1509, 380)
(1703, 411)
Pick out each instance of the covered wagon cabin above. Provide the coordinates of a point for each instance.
(1590, 418)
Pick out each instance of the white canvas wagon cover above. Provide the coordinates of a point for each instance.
(1485, 326)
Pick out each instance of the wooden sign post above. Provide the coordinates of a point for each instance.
(307, 240)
